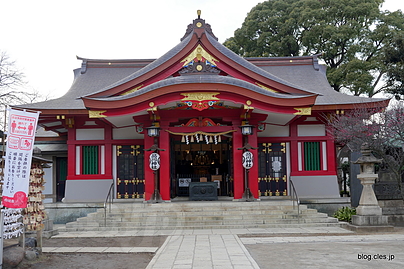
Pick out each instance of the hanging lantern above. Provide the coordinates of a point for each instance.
(154, 130)
(246, 129)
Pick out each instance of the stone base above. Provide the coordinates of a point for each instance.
(369, 229)
(375, 220)
(369, 210)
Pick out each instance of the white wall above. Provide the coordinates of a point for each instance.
(126, 133)
(90, 134)
(311, 130)
(274, 131)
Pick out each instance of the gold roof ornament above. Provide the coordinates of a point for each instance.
(199, 52)
(132, 90)
(96, 113)
(302, 111)
(265, 88)
(199, 96)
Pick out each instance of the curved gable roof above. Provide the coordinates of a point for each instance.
(102, 82)
(220, 83)
(197, 33)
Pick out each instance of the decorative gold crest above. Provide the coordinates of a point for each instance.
(200, 96)
(200, 100)
(198, 53)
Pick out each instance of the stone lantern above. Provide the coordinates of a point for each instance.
(369, 213)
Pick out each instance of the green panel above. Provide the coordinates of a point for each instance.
(62, 169)
(90, 160)
(312, 156)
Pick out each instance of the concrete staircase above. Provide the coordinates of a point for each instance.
(201, 215)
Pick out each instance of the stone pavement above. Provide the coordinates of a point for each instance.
(306, 247)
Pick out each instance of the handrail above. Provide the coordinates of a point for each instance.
(295, 197)
(109, 195)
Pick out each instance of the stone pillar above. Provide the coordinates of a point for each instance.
(369, 213)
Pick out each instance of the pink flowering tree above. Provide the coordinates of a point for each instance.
(382, 130)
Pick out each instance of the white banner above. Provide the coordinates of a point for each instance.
(20, 142)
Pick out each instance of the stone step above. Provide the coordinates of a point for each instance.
(207, 213)
(170, 228)
(206, 217)
(233, 210)
(198, 221)
(202, 206)
(199, 215)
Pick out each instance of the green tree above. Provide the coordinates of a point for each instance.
(394, 61)
(349, 35)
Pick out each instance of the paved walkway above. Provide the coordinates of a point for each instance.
(227, 248)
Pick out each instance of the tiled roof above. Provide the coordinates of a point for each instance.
(315, 81)
(149, 67)
(240, 60)
(84, 84)
(202, 79)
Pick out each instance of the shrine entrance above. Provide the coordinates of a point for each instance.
(201, 162)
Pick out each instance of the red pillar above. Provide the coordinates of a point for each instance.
(148, 173)
(71, 153)
(164, 164)
(238, 169)
(253, 173)
(294, 157)
(108, 151)
(331, 156)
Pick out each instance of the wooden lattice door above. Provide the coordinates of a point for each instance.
(130, 172)
(272, 169)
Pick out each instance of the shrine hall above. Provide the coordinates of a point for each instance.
(200, 115)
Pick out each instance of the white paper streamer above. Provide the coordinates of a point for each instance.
(12, 226)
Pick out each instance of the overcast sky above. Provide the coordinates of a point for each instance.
(44, 36)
